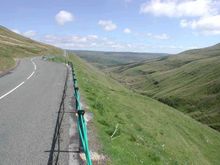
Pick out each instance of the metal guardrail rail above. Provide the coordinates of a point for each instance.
(81, 124)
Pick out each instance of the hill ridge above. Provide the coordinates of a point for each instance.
(13, 45)
(188, 81)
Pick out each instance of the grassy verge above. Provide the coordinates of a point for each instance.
(58, 59)
(6, 63)
(149, 132)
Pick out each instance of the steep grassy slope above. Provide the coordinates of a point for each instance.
(149, 132)
(13, 46)
(107, 59)
(189, 82)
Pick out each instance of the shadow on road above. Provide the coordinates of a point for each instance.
(55, 147)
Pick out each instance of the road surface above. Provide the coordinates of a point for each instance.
(30, 99)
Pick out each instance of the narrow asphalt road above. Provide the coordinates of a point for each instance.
(30, 98)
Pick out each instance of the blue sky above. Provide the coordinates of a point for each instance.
(116, 25)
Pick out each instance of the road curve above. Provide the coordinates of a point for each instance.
(30, 97)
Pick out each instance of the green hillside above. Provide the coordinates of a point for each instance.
(149, 132)
(189, 81)
(13, 45)
(103, 59)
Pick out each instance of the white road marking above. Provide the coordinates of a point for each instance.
(12, 90)
(31, 75)
(35, 67)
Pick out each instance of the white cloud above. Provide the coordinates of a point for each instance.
(209, 25)
(29, 33)
(92, 37)
(127, 30)
(94, 42)
(200, 15)
(180, 8)
(107, 25)
(63, 17)
(16, 31)
(184, 23)
(70, 41)
(90, 42)
(162, 36)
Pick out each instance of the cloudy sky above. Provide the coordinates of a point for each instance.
(116, 25)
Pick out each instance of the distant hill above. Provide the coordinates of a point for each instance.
(189, 81)
(13, 45)
(106, 59)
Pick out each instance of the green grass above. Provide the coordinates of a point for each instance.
(189, 82)
(149, 132)
(13, 46)
(6, 63)
(56, 58)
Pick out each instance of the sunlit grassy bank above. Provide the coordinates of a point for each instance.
(149, 132)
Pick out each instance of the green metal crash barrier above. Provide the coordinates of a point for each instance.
(81, 124)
